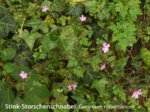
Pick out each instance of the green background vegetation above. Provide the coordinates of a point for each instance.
(56, 49)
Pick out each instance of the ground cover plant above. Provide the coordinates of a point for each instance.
(77, 55)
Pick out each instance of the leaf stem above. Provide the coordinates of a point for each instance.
(23, 23)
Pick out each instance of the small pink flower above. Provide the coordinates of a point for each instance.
(136, 94)
(23, 75)
(103, 66)
(82, 18)
(44, 8)
(72, 87)
(105, 47)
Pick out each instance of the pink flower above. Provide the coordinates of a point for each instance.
(72, 87)
(103, 66)
(44, 8)
(82, 18)
(105, 47)
(136, 94)
(23, 75)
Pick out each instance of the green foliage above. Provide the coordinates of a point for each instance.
(8, 54)
(95, 6)
(100, 85)
(120, 93)
(48, 44)
(7, 24)
(75, 2)
(68, 39)
(147, 104)
(118, 66)
(123, 34)
(29, 38)
(37, 95)
(128, 10)
(145, 55)
(7, 96)
(52, 52)
(13, 70)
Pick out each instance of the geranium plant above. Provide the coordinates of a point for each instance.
(77, 55)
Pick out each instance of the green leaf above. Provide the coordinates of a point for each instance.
(9, 68)
(13, 70)
(118, 66)
(6, 96)
(94, 61)
(61, 99)
(68, 39)
(37, 24)
(8, 54)
(74, 2)
(29, 38)
(7, 24)
(119, 7)
(78, 71)
(49, 20)
(39, 55)
(94, 6)
(89, 76)
(37, 95)
(58, 5)
(85, 42)
(123, 34)
(62, 20)
(72, 62)
(100, 85)
(145, 55)
(117, 90)
(47, 44)
(19, 101)
(147, 104)
(1, 41)
(79, 95)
